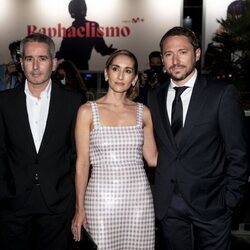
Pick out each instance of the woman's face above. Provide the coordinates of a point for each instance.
(121, 74)
(61, 73)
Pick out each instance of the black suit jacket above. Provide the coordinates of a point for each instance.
(210, 165)
(19, 160)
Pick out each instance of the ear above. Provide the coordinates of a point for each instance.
(197, 54)
(106, 75)
(134, 81)
(21, 61)
(162, 59)
(54, 64)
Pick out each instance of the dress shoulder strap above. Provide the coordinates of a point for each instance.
(139, 112)
(95, 113)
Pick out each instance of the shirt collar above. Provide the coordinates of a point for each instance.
(189, 83)
(45, 93)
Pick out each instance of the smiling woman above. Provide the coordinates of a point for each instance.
(122, 68)
(113, 134)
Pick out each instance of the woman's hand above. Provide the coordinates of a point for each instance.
(78, 221)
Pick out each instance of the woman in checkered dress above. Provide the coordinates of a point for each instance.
(112, 135)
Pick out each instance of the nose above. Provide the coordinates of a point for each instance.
(35, 64)
(121, 74)
(175, 58)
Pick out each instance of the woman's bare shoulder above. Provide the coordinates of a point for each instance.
(85, 110)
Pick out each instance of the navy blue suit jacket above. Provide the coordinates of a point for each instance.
(210, 165)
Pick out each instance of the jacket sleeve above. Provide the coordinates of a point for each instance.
(233, 130)
(3, 153)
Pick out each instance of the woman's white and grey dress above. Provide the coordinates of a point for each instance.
(118, 199)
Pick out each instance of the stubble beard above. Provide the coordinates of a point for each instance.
(182, 76)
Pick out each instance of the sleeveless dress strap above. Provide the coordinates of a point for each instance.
(139, 112)
(96, 120)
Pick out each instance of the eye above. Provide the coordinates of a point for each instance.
(43, 58)
(167, 54)
(28, 59)
(183, 52)
(115, 68)
(129, 71)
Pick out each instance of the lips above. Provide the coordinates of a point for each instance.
(119, 83)
(35, 74)
(177, 67)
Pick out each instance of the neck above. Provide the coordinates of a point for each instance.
(36, 90)
(117, 100)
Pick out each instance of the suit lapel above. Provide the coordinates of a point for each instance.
(197, 101)
(163, 117)
(21, 111)
(54, 109)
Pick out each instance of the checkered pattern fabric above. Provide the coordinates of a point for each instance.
(118, 198)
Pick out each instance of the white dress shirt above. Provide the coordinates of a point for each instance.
(185, 96)
(38, 109)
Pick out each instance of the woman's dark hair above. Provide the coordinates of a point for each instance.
(133, 91)
(73, 78)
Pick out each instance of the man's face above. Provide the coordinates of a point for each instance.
(179, 58)
(155, 61)
(37, 64)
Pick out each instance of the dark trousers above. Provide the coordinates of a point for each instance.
(35, 227)
(181, 230)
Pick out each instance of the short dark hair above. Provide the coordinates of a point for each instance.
(41, 38)
(154, 54)
(181, 31)
(14, 45)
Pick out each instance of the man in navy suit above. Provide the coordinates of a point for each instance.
(37, 154)
(202, 164)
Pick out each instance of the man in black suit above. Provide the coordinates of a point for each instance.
(202, 164)
(37, 154)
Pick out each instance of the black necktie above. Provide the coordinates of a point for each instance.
(177, 113)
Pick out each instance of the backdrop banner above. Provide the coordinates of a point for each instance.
(87, 32)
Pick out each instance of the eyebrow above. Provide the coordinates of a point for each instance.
(170, 51)
(116, 65)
